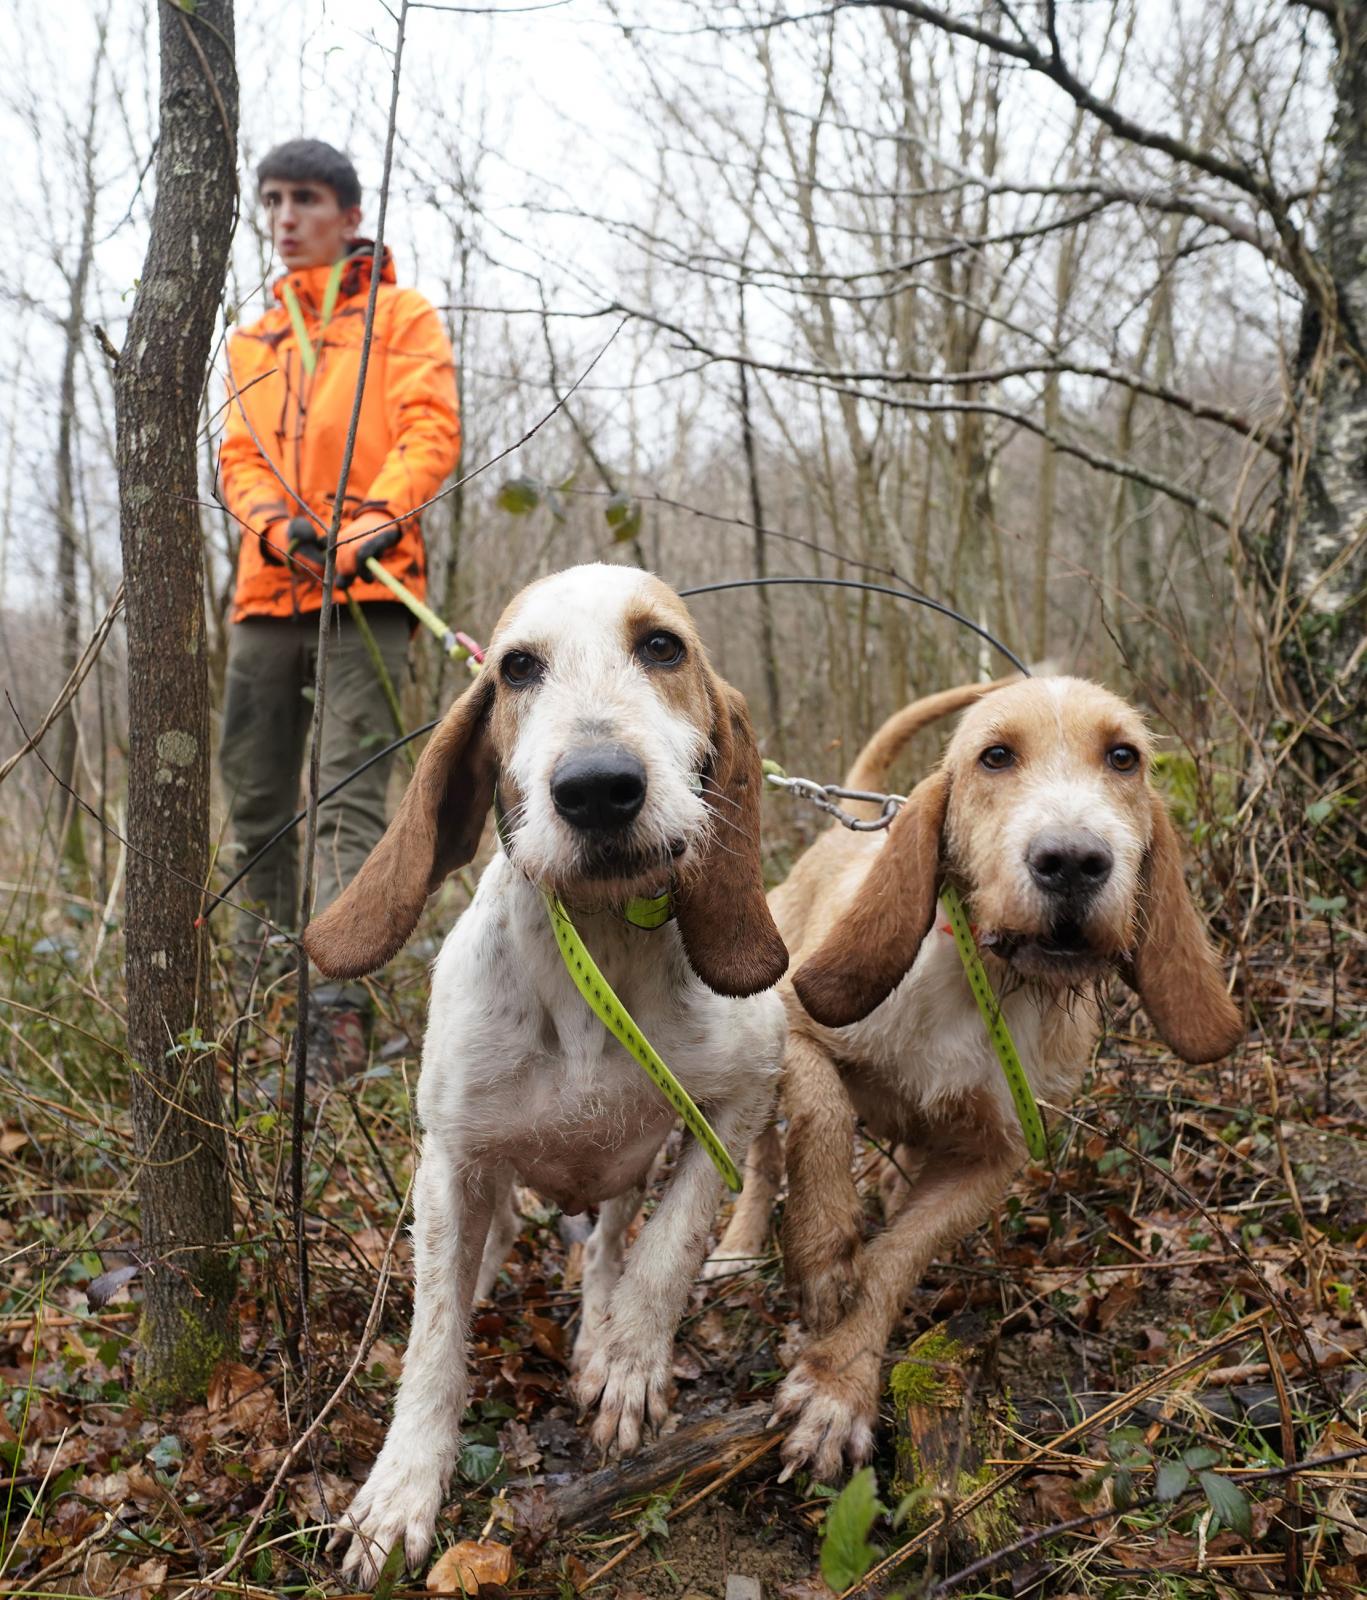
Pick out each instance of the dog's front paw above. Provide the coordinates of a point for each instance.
(631, 1386)
(400, 1500)
(831, 1399)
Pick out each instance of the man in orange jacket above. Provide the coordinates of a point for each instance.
(292, 386)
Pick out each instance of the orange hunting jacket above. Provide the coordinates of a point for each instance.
(407, 441)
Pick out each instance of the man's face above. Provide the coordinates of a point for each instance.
(309, 228)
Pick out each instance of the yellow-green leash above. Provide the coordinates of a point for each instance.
(308, 354)
(600, 999)
(449, 639)
(1032, 1124)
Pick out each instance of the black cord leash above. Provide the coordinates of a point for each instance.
(872, 588)
(702, 588)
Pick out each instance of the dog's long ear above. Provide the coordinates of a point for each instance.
(728, 934)
(1176, 971)
(435, 830)
(871, 948)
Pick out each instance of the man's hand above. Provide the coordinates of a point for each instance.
(370, 534)
(306, 546)
(275, 539)
(364, 539)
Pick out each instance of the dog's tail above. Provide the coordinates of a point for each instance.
(874, 761)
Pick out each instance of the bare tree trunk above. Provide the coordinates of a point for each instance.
(766, 616)
(177, 1118)
(1318, 571)
(68, 596)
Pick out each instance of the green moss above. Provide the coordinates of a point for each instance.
(919, 1380)
(178, 1368)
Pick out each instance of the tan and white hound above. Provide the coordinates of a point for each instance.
(1043, 816)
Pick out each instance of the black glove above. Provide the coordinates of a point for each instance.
(306, 547)
(356, 545)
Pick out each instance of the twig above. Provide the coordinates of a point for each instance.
(1075, 1523)
(267, 1503)
(72, 684)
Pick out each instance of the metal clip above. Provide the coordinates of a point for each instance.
(824, 795)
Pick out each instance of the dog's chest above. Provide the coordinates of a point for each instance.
(926, 1050)
(517, 1068)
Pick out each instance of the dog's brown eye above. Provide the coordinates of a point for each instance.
(519, 669)
(1122, 758)
(997, 757)
(660, 649)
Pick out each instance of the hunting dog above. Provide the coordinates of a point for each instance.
(620, 763)
(1042, 815)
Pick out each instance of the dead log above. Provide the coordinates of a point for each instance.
(946, 1431)
(707, 1447)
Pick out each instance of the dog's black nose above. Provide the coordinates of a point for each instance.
(598, 788)
(1071, 863)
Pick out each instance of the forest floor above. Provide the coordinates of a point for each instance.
(1187, 1271)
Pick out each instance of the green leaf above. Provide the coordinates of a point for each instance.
(1201, 1456)
(1317, 811)
(1122, 1488)
(846, 1554)
(481, 1464)
(1229, 1503)
(1172, 1480)
(519, 496)
(166, 1453)
(1126, 1448)
(1330, 906)
(913, 1502)
(654, 1520)
(624, 517)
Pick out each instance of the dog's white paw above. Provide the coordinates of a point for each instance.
(831, 1400)
(399, 1501)
(632, 1388)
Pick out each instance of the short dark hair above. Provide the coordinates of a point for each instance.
(312, 161)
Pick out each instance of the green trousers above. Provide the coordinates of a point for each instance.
(267, 712)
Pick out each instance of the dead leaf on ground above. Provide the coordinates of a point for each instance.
(384, 1356)
(1172, 1550)
(547, 1335)
(242, 1401)
(472, 1564)
(520, 1449)
(534, 1517)
(105, 1288)
(813, 1588)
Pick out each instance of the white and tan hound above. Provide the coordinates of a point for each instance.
(621, 764)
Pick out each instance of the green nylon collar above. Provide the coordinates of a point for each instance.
(1032, 1124)
(601, 999)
